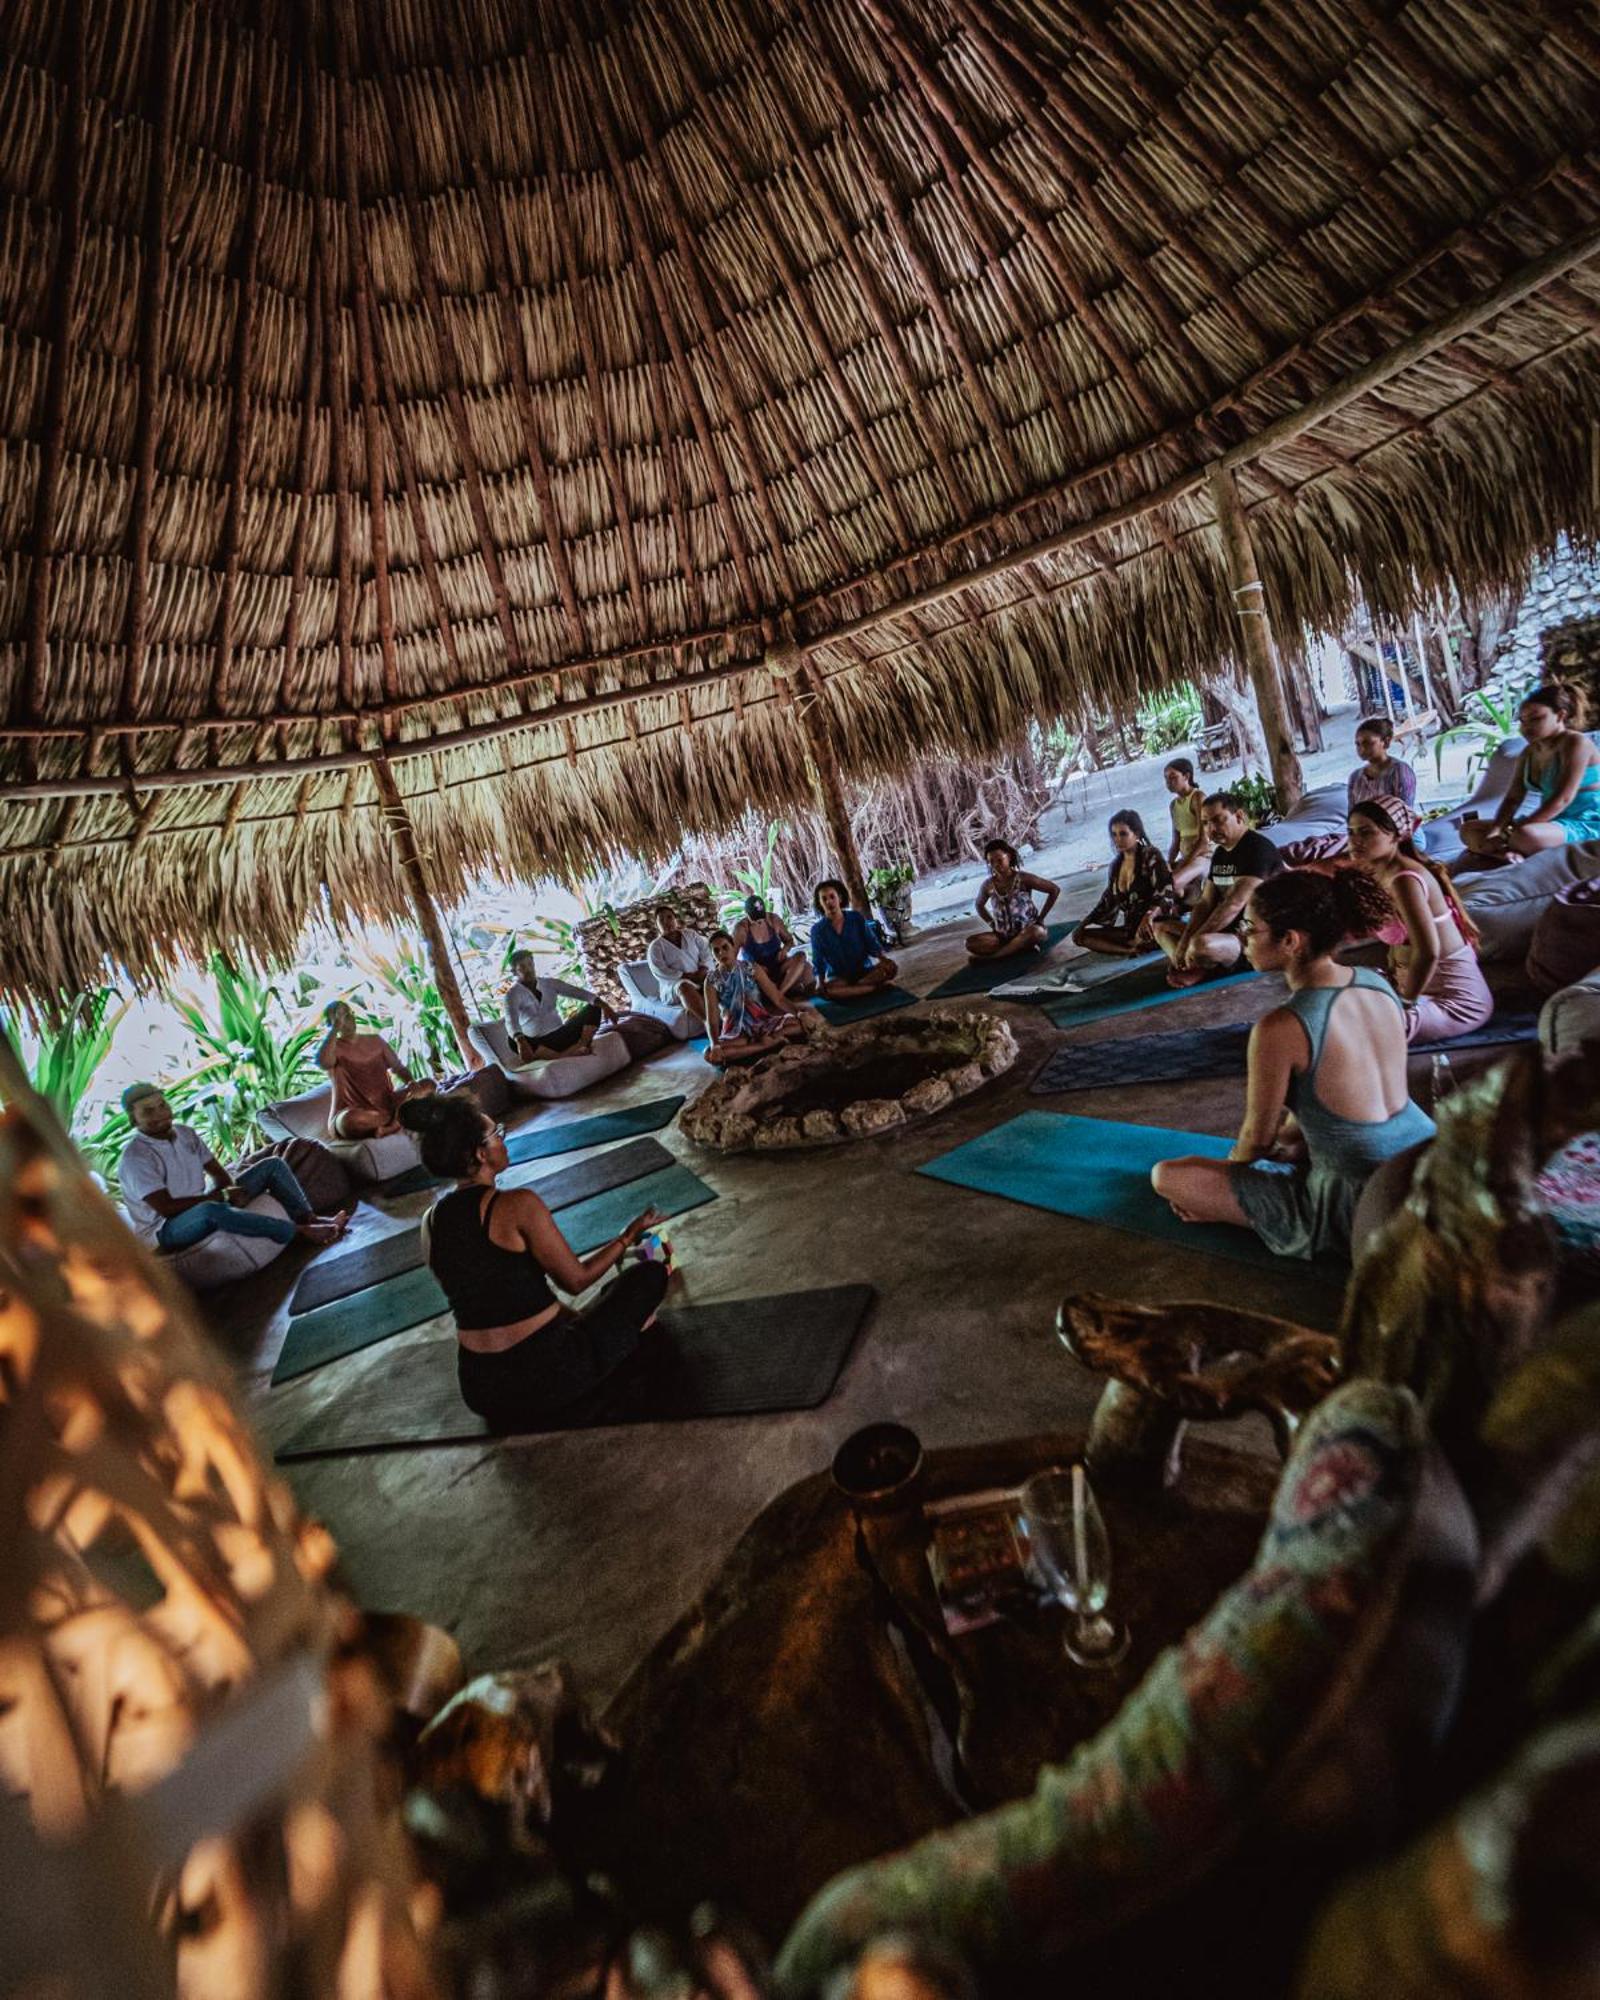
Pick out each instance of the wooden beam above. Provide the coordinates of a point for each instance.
(402, 831)
(1255, 638)
(310, 392)
(151, 310)
(791, 672)
(247, 252)
(666, 319)
(63, 303)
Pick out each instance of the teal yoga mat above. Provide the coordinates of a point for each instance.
(1099, 1170)
(983, 975)
(345, 1326)
(842, 1012)
(540, 1141)
(1139, 989)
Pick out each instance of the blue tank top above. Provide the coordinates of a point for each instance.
(765, 955)
(1347, 1146)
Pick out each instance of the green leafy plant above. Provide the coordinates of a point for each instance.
(69, 1052)
(1259, 797)
(556, 943)
(883, 882)
(753, 881)
(419, 1031)
(1488, 721)
(1168, 719)
(255, 1047)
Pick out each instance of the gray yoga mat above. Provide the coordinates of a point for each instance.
(1214, 1052)
(345, 1326)
(354, 1271)
(783, 1351)
(983, 975)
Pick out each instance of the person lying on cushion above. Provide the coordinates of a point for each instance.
(365, 1103)
(680, 960)
(1006, 905)
(845, 953)
(1433, 957)
(1378, 775)
(177, 1193)
(1138, 886)
(522, 1357)
(1207, 940)
(1562, 765)
(1326, 1100)
(746, 1012)
(533, 1020)
(764, 940)
(1189, 855)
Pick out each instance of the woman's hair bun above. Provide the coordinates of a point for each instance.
(421, 1114)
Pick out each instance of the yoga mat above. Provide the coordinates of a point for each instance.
(1146, 987)
(1214, 1052)
(984, 975)
(1099, 1171)
(842, 1012)
(539, 1141)
(739, 1358)
(338, 1277)
(345, 1326)
(415, 1180)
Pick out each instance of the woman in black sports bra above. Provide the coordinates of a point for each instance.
(523, 1357)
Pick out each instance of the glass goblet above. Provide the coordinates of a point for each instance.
(1072, 1553)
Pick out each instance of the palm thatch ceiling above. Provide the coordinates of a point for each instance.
(431, 377)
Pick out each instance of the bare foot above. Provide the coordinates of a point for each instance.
(1184, 978)
(318, 1234)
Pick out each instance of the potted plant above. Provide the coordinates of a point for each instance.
(890, 890)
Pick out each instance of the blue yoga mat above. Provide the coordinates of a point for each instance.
(1099, 1170)
(842, 1012)
(983, 975)
(1144, 988)
(328, 1333)
(540, 1141)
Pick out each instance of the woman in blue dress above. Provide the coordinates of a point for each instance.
(1326, 1101)
(746, 1013)
(1562, 765)
(849, 961)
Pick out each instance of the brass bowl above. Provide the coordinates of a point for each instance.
(879, 1467)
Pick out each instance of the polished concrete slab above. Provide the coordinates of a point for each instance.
(588, 1544)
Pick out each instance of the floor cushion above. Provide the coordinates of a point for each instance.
(646, 1034)
(221, 1258)
(551, 1076)
(1263, 1704)
(644, 997)
(1571, 1017)
(368, 1160)
(1494, 781)
(1319, 817)
(324, 1178)
(1566, 939)
(1507, 903)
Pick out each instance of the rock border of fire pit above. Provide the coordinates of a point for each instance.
(715, 1119)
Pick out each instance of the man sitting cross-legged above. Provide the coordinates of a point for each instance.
(680, 960)
(177, 1193)
(534, 1022)
(1207, 941)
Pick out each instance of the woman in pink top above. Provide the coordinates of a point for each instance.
(366, 1104)
(1433, 957)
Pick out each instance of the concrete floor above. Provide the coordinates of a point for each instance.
(588, 1544)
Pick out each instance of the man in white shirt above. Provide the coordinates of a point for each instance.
(534, 1022)
(177, 1193)
(680, 960)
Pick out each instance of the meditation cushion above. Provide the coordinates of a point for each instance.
(1507, 903)
(1566, 939)
(550, 1076)
(644, 997)
(368, 1160)
(1444, 834)
(324, 1178)
(221, 1258)
(645, 1034)
(1289, 1703)
(1319, 818)
(1571, 1017)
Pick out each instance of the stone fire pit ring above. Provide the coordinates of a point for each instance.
(773, 1106)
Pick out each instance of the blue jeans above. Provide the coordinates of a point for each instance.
(206, 1217)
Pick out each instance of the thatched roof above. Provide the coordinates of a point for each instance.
(375, 372)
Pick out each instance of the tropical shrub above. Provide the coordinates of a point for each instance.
(759, 879)
(418, 1029)
(1259, 797)
(1490, 716)
(1165, 720)
(69, 1052)
(255, 1047)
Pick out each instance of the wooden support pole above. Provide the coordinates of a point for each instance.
(1255, 641)
(788, 667)
(402, 830)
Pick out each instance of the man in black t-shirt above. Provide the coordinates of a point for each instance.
(1209, 940)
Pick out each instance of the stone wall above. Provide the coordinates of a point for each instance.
(1556, 630)
(611, 939)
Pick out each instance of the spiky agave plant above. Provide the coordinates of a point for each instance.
(70, 1047)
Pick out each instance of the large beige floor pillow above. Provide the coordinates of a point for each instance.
(1507, 903)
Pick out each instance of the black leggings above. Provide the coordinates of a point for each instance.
(560, 1038)
(554, 1370)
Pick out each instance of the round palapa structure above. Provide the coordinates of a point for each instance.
(425, 428)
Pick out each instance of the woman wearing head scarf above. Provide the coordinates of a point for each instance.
(1433, 957)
